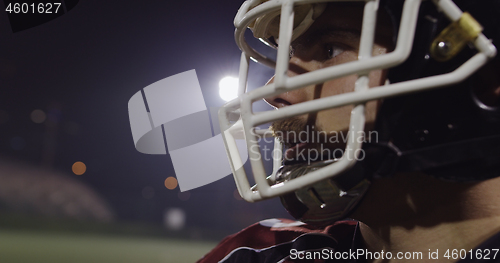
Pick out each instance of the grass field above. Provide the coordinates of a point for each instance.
(38, 247)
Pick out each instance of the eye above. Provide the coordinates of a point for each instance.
(334, 50)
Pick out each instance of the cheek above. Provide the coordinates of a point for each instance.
(371, 114)
(338, 86)
(377, 78)
(338, 119)
(334, 119)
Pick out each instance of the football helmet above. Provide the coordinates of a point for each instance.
(438, 46)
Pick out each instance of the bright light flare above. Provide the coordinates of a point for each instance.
(228, 88)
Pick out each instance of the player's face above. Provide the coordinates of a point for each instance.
(333, 39)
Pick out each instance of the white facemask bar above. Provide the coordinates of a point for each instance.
(361, 95)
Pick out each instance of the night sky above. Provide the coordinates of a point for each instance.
(82, 68)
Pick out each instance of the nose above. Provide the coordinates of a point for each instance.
(295, 67)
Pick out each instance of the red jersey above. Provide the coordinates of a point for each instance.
(283, 240)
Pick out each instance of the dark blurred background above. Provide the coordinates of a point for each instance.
(64, 89)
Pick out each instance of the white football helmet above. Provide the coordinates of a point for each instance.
(325, 191)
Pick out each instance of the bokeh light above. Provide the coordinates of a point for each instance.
(170, 183)
(79, 168)
(228, 88)
(38, 116)
(174, 218)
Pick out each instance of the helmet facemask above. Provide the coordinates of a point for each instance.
(326, 190)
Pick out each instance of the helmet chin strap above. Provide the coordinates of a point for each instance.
(324, 202)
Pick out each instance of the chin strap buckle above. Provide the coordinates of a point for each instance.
(454, 37)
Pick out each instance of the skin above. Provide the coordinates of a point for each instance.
(329, 42)
(319, 48)
(408, 212)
